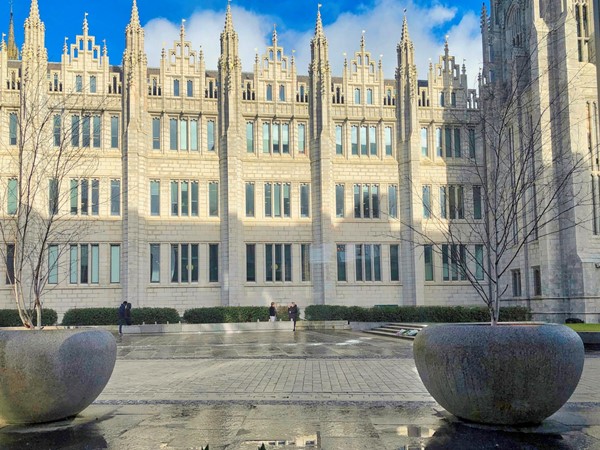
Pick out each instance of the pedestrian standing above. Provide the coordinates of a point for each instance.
(293, 312)
(122, 316)
(128, 314)
(272, 313)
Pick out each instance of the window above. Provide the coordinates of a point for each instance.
(12, 128)
(10, 263)
(183, 134)
(452, 202)
(354, 137)
(96, 130)
(366, 201)
(57, 131)
(363, 140)
(75, 131)
(249, 199)
(155, 198)
(438, 141)
(301, 138)
(453, 98)
(53, 196)
(537, 281)
(426, 202)
(277, 200)
(339, 143)
(53, 264)
(190, 88)
(369, 96)
(305, 261)
(278, 262)
(114, 132)
(250, 137)
(213, 199)
(457, 149)
(269, 92)
(479, 262)
(393, 201)
(93, 84)
(85, 131)
(583, 33)
(339, 200)
(213, 263)
(357, 96)
(184, 198)
(154, 263)
(373, 141)
(251, 262)
(84, 199)
(442, 100)
(428, 258)
(341, 263)
(394, 262)
(78, 83)
(184, 263)
(388, 141)
(176, 88)
(477, 202)
(471, 143)
(115, 263)
(304, 200)
(282, 93)
(368, 262)
(266, 136)
(210, 135)
(454, 262)
(173, 134)
(115, 197)
(516, 282)
(12, 196)
(156, 133)
(84, 264)
(448, 135)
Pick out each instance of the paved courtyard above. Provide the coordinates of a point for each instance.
(304, 390)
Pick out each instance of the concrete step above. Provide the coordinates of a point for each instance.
(397, 330)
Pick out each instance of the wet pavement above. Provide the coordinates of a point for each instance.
(325, 390)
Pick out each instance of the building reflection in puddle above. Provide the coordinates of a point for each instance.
(299, 442)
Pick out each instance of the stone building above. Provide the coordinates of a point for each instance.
(230, 187)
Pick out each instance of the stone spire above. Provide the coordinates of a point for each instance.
(362, 41)
(135, 16)
(86, 27)
(182, 31)
(34, 47)
(405, 49)
(274, 37)
(13, 50)
(405, 37)
(34, 12)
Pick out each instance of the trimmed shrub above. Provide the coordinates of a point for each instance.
(229, 314)
(10, 317)
(442, 314)
(110, 316)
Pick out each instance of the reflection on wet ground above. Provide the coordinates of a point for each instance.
(328, 427)
(169, 408)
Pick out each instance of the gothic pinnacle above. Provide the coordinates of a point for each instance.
(34, 11)
(135, 16)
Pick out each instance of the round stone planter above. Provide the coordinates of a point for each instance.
(47, 375)
(507, 374)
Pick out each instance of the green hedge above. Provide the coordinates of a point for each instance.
(414, 313)
(10, 317)
(227, 314)
(110, 316)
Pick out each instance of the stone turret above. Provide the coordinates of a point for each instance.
(13, 50)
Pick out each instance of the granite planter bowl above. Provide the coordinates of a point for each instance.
(47, 375)
(507, 374)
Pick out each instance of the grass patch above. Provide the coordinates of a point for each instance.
(584, 326)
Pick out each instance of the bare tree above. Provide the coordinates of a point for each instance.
(529, 181)
(45, 157)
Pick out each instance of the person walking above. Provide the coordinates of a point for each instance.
(122, 307)
(128, 314)
(272, 313)
(293, 313)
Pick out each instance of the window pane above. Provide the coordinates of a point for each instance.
(339, 148)
(84, 264)
(173, 134)
(12, 128)
(363, 140)
(183, 134)
(278, 262)
(286, 200)
(97, 128)
(115, 197)
(365, 201)
(426, 202)
(457, 149)
(194, 135)
(438, 141)
(75, 131)
(268, 201)
(305, 261)
(13, 196)
(428, 257)
(373, 141)
(85, 130)
(354, 137)
(266, 136)
(155, 198)
(304, 200)
(479, 262)
(194, 198)
(471, 143)
(250, 137)
(358, 261)
(73, 264)
(213, 263)
(395, 262)
(185, 249)
(448, 132)
(95, 197)
(268, 262)
(285, 137)
(341, 263)
(368, 262)
(57, 132)
(393, 201)
(155, 263)
(424, 142)
(388, 141)
(477, 202)
(276, 148)
(114, 132)
(375, 200)
(115, 263)
(445, 263)
(74, 198)
(195, 263)
(377, 262)
(53, 196)
(174, 198)
(95, 262)
(156, 133)
(250, 262)
(84, 196)
(339, 200)
(213, 194)
(287, 253)
(301, 138)
(52, 264)
(210, 138)
(277, 199)
(249, 199)
(185, 206)
(443, 212)
(357, 210)
(174, 263)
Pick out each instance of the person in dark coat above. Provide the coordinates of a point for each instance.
(128, 314)
(293, 312)
(122, 316)
(272, 313)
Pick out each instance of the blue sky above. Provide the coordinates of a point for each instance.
(429, 23)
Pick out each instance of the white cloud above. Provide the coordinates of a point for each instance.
(382, 24)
